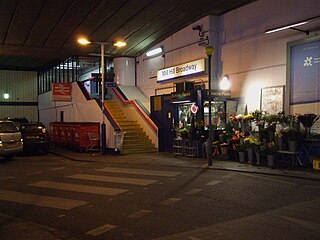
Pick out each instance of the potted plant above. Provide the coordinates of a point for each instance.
(279, 137)
(250, 143)
(271, 150)
(292, 136)
(242, 152)
(224, 149)
(307, 120)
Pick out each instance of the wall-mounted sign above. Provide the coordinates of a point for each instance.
(194, 108)
(61, 92)
(111, 84)
(189, 96)
(181, 70)
(88, 62)
(220, 93)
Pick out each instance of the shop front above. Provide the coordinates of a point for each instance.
(183, 119)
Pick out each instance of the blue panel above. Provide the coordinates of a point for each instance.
(305, 73)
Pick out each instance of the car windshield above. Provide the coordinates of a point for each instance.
(8, 127)
(31, 128)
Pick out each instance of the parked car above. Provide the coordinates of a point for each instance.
(11, 141)
(36, 138)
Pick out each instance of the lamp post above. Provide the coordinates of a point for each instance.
(209, 51)
(103, 125)
(118, 44)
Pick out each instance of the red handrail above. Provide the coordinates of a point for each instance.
(136, 105)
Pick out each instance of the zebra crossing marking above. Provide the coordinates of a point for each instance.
(139, 171)
(140, 213)
(40, 200)
(194, 191)
(79, 188)
(214, 182)
(123, 180)
(170, 201)
(102, 229)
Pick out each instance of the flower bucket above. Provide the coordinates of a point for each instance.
(224, 150)
(271, 160)
(280, 143)
(293, 146)
(242, 157)
(250, 155)
(257, 158)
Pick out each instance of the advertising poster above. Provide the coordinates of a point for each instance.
(272, 99)
(305, 73)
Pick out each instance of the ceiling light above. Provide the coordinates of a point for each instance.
(6, 96)
(285, 27)
(154, 51)
(83, 41)
(120, 44)
(182, 101)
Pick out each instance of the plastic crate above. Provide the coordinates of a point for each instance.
(316, 164)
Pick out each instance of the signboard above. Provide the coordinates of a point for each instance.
(61, 92)
(272, 99)
(220, 93)
(111, 84)
(181, 70)
(88, 62)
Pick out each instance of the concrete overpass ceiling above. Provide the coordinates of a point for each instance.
(34, 34)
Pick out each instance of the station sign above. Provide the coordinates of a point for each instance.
(61, 92)
(181, 70)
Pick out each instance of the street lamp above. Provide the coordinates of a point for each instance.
(84, 41)
(209, 51)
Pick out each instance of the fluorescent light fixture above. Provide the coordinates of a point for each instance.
(182, 101)
(285, 27)
(225, 83)
(154, 51)
(6, 96)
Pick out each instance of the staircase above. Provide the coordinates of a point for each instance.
(135, 139)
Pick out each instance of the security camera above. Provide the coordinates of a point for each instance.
(197, 27)
(200, 29)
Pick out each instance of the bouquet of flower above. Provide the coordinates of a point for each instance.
(279, 133)
(308, 119)
(251, 142)
(248, 117)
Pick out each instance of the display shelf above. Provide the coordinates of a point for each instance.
(178, 146)
(190, 149)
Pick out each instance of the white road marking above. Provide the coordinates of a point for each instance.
(170, 201)
(102, 229)
(79, 188)
(57, 169)
(40, 200)
(6, 178)
(311, 225)
(34, 173)
(214, 182)
(139, 214)
(193, 238)
(194, 191)
(140, 171)
(131, 181)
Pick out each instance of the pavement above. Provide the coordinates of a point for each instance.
(169, 159)
(28, 230)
